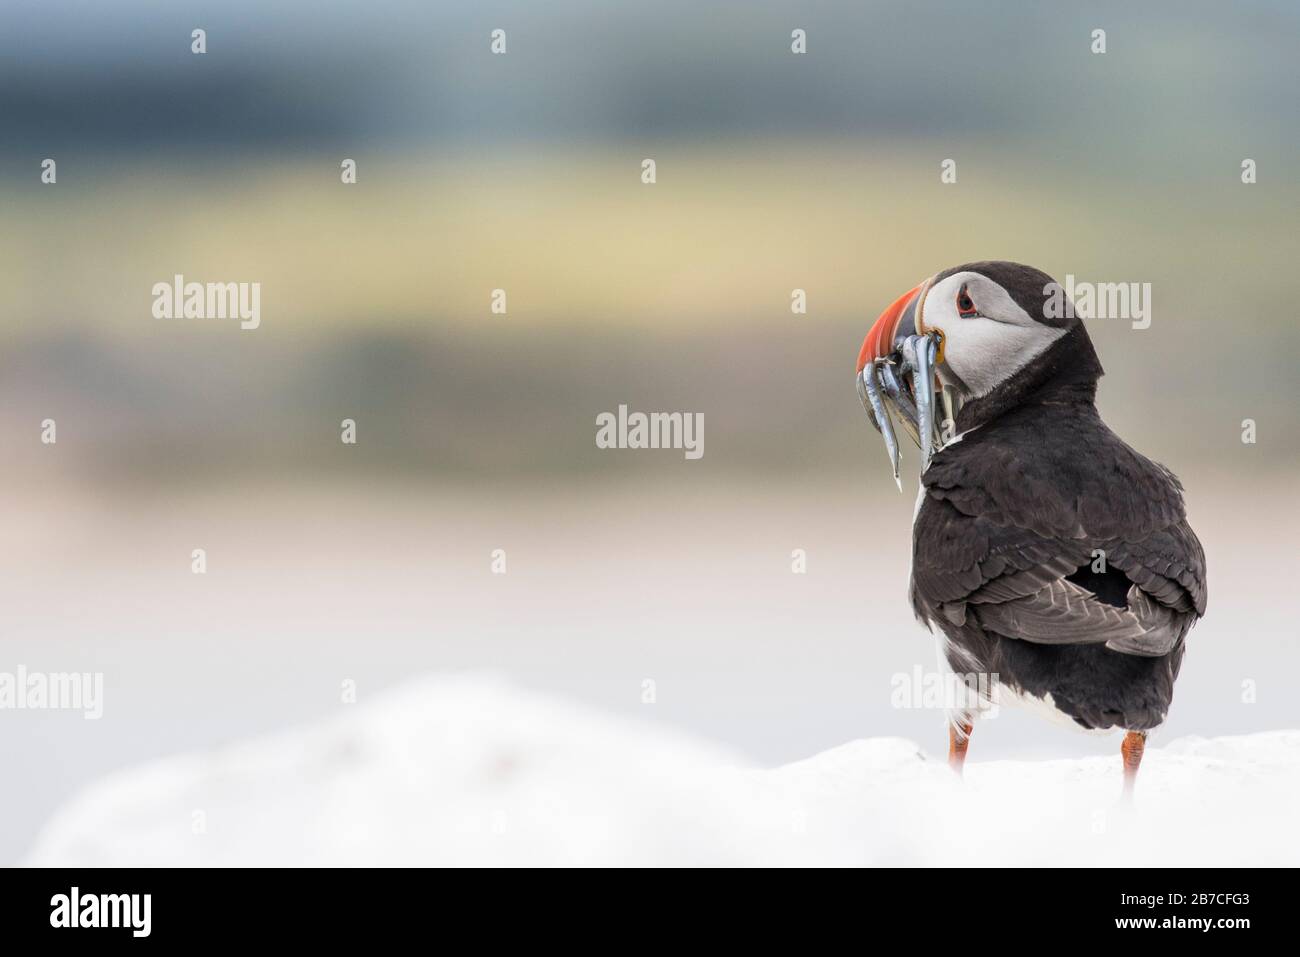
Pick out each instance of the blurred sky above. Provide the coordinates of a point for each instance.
(476, 431)
(306, 74)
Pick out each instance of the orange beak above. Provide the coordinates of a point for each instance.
(880, 340)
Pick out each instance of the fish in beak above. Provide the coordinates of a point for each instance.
(897, 377)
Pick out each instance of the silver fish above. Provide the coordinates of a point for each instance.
(896, 400)
(923, 390)
(869, 390)
(866, 403)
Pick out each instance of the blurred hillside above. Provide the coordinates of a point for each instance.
(375, 305)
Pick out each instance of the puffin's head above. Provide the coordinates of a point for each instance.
(992, 318)
(996, 332)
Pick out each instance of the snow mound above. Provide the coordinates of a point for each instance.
(471, 771)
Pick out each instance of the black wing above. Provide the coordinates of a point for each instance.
(1057, 534)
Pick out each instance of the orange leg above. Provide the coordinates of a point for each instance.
(958, 741)
(1131, 750)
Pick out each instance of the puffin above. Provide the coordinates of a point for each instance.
(1051, 560)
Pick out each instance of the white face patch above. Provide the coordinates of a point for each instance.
(987, 349)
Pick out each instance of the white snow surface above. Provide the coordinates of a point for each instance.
(473, 771)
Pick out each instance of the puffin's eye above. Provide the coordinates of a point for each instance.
(965, 305)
